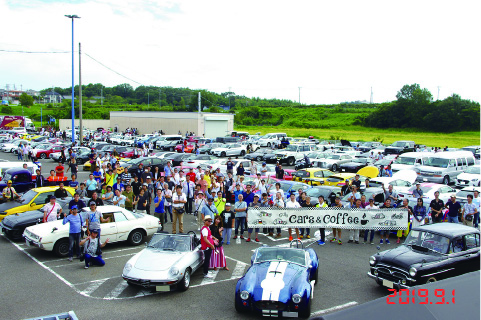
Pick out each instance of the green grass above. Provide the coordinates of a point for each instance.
(358, 133)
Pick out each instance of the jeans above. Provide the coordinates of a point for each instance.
(207, 254)
(19, 156)
(308, 231)
(95, 260)
(73, 240)
(240, 222)
(169, 210)
(453, 219)
(161, 219)
(476, 219)
(371, 238)
(272, 230)
(226, 235)
(249, 230)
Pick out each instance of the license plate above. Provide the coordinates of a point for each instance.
(343, 169)
(388, 284)
(27, 243)
(165, 288)
(425, 179)
(290, 314)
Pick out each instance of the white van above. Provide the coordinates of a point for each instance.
(166, 138)
(19, 130)
(271, 138)
(409, 160)
(444, 167)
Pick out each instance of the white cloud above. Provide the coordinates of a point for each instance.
(334, 50)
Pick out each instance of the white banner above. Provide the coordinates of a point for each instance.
(341, 218)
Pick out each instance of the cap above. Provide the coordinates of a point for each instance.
(74, 207)
(149, 177)
(200, 192)
(256, 195)
(9, 181)
(210, 199)
(207, 217)
(53, 197)
(198, 167)
(418, 183)
(453, 195)
(227, 204)
(145, 184)
(263, 163)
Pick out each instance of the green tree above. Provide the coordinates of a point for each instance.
(25, 100)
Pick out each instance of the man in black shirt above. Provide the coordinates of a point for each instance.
(437, 206)
(77, 202)
(357, 182)
(61, 192)
(405, 205)
(280, 173)
(228, 219)
(136, 185)
(39, 180)
(95, 199)
(170, 183)
(385, 233)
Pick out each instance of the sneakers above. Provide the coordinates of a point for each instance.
(228, 242)
(333, 240)
(257, 240)
(70, 259)
(208, 276)
(350, 241)
(235, 237)
(321, 243)
(356, 242)
(387, 241)
(372, 242)
(271, 234)
(339, 241)
(398, 240)
(86, 267)
(278, 235)
(308, 236)
(301, 236)
(242, 237)
(290, 238)
(248, 240)
(380, 241)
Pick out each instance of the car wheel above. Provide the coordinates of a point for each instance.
(259, 159)
(268, 144)
(334, 167)
(290, 161)
(61, 248)
(136, 237)
(446, 180)
(172, 149)
(316, 276)
(243, 153)
(43, 156)
(431, 280)
(306, 313)
(222, 154)
(185, 282)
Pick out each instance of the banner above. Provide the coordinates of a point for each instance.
(9, 122)
(341, 218)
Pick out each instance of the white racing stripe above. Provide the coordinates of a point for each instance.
(273, 283)
(336, 308)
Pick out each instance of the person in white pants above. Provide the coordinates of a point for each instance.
(354, 233)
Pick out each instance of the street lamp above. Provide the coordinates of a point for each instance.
(73, 16)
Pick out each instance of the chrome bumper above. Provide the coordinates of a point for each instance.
(395, 285)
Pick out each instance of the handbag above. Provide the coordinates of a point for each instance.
(179, 210)
(469, 218)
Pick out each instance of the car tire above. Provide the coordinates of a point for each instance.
(446, 180)
(136, 237)
(334, 167)
(243, 153)
(306, 313)
(222, 154)
(259, 159)
(43, 156)
(316, 276)
(290, 161)
(268, 144)
(61, 247)
(185, 282)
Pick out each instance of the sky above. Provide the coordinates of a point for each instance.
(335, 51)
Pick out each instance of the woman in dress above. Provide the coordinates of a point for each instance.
(218, 258)
(240, 170)
(419, 213)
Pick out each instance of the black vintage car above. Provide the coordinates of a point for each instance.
(14, 225)
(259, 154)
(355, 165)
(430, 253)
(399, 147)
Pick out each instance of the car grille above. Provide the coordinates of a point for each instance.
(426, 173)
(270, 305)
(5, 223)
(463, 181)
(391, 274)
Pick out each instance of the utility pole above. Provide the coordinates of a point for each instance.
(438, 93)
(370, 101)
(300, 95)
(148, 99)
(101, 97)
(199, 103)
(80, 92)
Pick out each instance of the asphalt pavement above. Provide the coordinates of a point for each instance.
(36, 282)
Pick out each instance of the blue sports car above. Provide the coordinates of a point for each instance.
(279, 282)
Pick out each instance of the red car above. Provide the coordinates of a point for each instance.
(127, 154)
(45, 154)
(189, 148)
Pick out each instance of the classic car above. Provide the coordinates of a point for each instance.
(167, 262)
(21, 180)
(55, 156)
(312, 176)
(279, 282)
(355, 165)
(14, 225)
(33, 199)
(399, 147)
(123, 225)
(333, 161)
(430, 253)
(233, 149)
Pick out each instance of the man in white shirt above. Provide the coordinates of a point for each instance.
(370, 206)
(257, 182)
(477, 203)
(178, 204)
(52, 210)
(292, 204)
(188, 188)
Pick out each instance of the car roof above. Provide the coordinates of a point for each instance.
(450, 230)
(344, 175)
(311, 170)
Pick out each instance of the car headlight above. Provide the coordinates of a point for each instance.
(127, 268)
(296, 298)
(174, 271)
(372, 260)
(412, 272)
(244, 295)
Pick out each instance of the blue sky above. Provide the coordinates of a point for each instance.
(334, 50)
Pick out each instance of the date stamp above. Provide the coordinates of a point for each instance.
(421, 296)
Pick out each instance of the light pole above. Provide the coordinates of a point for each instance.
(73, 16)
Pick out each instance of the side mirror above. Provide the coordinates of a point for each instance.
(33, 204)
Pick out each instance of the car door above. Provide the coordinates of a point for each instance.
(108, 229)
(471, 255)
(123, 225)
(41, 199)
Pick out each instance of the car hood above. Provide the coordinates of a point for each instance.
(43, 229)
(329, 160)
(10, 205)
(406, 175)
(219, 149)
(273, 280)
(157, 260)
(23, 218)
(468, 176)
(404, 257)
(369, 171)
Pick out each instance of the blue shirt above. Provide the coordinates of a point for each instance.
(160, 208)
(73, 184)
(97, 174)
(237, 193)
(75, 221)
(248, 198)
(167, 171)
(206, 211)
(118, 186)
(240, 205)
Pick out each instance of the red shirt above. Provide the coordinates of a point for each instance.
(191, 176)
(203, 243)
(59, 168)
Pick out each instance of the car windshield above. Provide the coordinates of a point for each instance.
(334, 156)
(405, 160)
(296, 256)
(170, 242)
(301, 174)
(424, 189)
(398, 144)
(291, 148)
(285, 186)
(473, 170)
(383, 162)
(314, 193)
(437, 162)
(464, 193)
(27, 196)
(427, 241)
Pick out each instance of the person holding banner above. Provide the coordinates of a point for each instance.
(335, 231)
(278, 203)
(419, 213)
(370, 206)
(354, 233)
(292, 203)
(254, 204)
(385, 233)
(322, 231)
(405, 205)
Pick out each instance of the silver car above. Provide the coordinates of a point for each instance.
(167, 263)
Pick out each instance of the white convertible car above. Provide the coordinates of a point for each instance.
(123, 225)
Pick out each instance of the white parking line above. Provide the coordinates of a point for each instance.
(239, 270)
(210, 280)
(71, 264)
(105, 252)
(117, 291)
(94, 285)
(336, 308)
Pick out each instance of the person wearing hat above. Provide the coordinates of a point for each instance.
(207, 244)
(357, 182)
(264, 169)
(76, 223)
(9, 193)
(52, 210)
(418, 193)
(199, 203)
(454, 209)
(228, 219)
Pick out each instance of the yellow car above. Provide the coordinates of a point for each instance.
(87, 165)
(339, 179)
(312, 176)
(30, 200)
